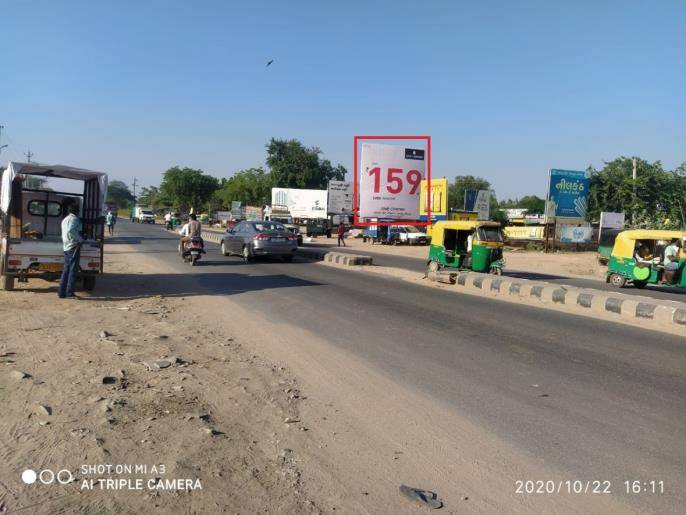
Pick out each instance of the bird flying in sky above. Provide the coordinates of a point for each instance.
(270, 62)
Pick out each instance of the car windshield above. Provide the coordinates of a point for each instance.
(489, 234)
(268, 226)
(412, 228)
(147, 212)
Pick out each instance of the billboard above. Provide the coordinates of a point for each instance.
(479, 201)
(301, 203)
(567, 194)
(438, 199)
(532, 232)
(578, 233)
(253, 213)
(340, 198)
(390, 180)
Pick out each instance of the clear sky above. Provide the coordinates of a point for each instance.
(506, 89)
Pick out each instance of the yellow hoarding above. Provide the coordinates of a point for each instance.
(439, 199)
(531, 232)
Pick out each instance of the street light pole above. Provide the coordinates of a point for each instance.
(633, 176)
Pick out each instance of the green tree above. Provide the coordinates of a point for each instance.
(292, 165)
(151, 196)
(654, 199)
(251, 187)
(187, 188)
(532, 203)
(119, 194)
(460, 184)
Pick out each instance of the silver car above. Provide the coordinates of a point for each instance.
(252, 239)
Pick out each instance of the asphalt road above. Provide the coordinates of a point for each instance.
(594, 399)
(419, 265)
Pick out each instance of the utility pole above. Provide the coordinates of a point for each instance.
(633, 175)
(29, 155)
(135, 181)
(1, 146)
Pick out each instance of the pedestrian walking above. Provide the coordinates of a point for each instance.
(71, 244)
(110, 220)
(341, 234)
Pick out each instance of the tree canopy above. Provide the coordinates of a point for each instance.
(292, 165)
(119, 194)
(187, 187)
(251, 187)
(659, 195)
(532, 203)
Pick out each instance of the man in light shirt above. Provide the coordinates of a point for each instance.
(671, 262)
(71, 244)
(192, 229)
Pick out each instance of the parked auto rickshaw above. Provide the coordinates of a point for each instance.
(451, 242)
(638, 257)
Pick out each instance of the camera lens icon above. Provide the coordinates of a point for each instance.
(29, 476)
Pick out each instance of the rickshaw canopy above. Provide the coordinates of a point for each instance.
(438, 228)
(626, 240)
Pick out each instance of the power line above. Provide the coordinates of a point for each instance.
(1, 146)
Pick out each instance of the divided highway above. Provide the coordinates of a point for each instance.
(593, 399)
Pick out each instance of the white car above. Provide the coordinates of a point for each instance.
(410, 235)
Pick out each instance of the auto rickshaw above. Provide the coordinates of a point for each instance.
(638, 257)
(450, 246)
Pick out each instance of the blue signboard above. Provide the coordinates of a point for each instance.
(568, 193)
(470, 199)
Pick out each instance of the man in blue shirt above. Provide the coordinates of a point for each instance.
(71, 242)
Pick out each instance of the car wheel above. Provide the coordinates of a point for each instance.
(247, 256)
(224, 251)
(618, 281)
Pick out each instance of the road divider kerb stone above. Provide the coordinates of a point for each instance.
(647, 312)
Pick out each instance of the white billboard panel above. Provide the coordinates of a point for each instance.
(390, 180)
(301, 203)
(340, 198)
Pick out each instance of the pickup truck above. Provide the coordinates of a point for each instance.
(143, 215)
(33, 201)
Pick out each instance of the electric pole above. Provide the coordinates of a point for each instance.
(29, 155)
(633, 175)
(135, 181)
(1, 146)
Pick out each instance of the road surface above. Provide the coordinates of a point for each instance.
(594, 399)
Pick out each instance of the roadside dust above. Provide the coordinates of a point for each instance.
(84, 382)
(152, 370)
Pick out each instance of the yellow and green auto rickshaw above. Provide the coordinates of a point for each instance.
(466, 245)
(638, 257)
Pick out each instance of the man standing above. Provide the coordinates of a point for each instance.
(71, 243)
(341, 234)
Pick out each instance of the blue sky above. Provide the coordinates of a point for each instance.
(506, 89)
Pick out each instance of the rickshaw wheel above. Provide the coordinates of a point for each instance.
(618, 280)
(640, 284)
(497, 271)
(434, 266)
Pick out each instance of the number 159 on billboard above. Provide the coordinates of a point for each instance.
(390, 180)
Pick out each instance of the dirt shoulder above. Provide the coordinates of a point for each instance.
(268, 417)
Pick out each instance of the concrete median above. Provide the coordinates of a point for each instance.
(648, 312)
(340, 258)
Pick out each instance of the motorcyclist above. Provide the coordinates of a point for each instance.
(192, 229)
(168, 220)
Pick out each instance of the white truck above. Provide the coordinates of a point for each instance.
(143, 215)
(33, 201)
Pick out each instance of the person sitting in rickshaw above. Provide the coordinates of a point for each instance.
(643, 256)
(671, 262)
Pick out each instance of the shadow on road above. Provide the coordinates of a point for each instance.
(135, 240)
(138, 286)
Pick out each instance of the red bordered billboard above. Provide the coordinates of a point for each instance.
(356, 180)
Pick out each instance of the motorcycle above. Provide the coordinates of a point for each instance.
(193, 250)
